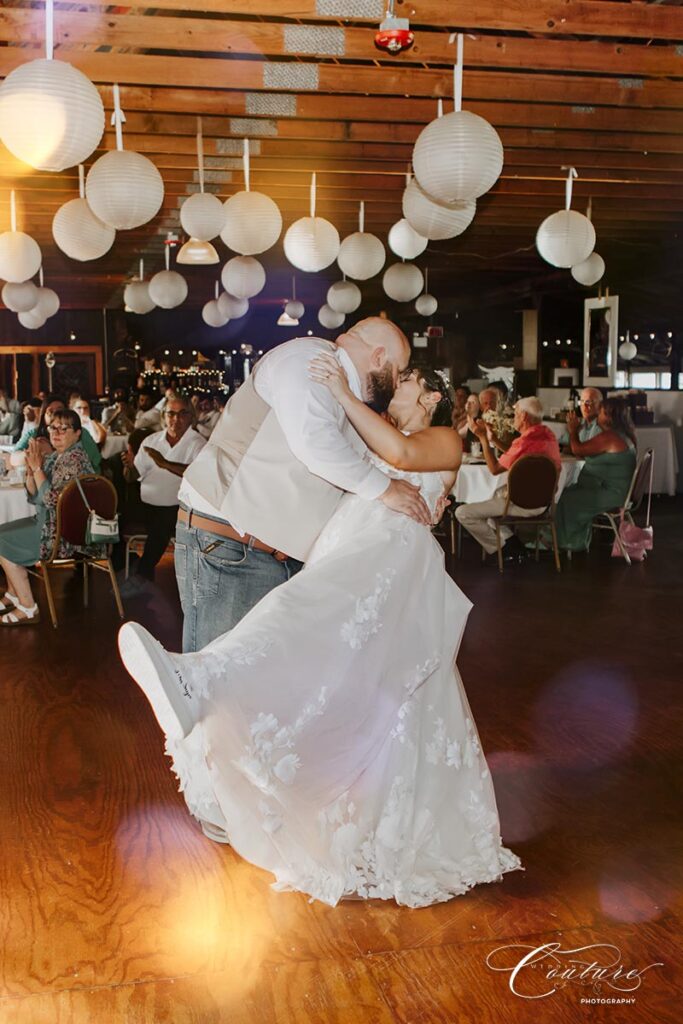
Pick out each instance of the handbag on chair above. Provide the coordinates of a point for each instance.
(636, 541)
(99, 530)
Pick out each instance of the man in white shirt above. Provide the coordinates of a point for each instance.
(207, 416)
(161, 461)
(277, 463)
(148, 416)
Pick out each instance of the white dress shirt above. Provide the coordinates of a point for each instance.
(160, 486)
(150, 419)
(206, 422)
(316, 428)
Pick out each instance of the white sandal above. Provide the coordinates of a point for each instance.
(8, 602)
(31, 615)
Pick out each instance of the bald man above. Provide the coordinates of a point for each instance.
(590, 401)
(279, 459)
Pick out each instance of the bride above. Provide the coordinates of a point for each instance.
(329, 733)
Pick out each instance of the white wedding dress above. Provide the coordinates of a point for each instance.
(333, 739)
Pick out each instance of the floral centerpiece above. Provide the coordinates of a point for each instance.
(501, 421)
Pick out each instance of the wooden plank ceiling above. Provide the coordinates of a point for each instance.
(594, 84)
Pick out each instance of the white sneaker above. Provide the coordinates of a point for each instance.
(153, 670)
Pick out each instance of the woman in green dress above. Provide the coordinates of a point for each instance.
(604, 480)
(25, 541)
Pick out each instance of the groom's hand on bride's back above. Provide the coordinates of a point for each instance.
(406, 498)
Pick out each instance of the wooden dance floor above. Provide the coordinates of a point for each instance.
(115, 908)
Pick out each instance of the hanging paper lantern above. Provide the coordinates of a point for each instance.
(426, 304)
(20, 298)
(33, 320)
(202, 216)
(136, 296)
(211, 314)
(405, 241)
(47, 304)
(51, 115)
(197, 254)
(330, 318)
(344, 297)
(361, 255)
(565, 238)
(590, 270)
(168, 289)
(124, 189)
(458, 157)
(311, 243)
(253, 223)
(628, 351)
(79, 233)
(295, 309)
(435, 220)
(402, 281)
(231, 307)
(243, 277)
(20, 256)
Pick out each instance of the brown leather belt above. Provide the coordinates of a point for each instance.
(225, 530)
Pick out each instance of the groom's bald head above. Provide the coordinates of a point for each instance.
(380, 351)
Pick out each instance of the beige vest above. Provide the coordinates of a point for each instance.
(266, 491)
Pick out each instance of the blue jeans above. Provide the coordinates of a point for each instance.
(219, 581)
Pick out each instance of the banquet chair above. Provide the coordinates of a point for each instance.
(641, 485)
(532, 482)
(71, 523)
(135, 544)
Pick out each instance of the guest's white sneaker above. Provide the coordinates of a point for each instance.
(153, 670)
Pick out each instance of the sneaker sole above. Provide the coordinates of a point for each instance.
(152, 669)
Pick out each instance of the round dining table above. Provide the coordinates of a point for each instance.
(475, 482)
(14, 503)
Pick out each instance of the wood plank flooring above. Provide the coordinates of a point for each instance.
(114, 908)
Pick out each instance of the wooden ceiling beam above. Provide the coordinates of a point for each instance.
(271, 40)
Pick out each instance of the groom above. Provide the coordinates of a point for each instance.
(256, 497)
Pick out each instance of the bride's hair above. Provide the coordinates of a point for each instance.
(443, 410)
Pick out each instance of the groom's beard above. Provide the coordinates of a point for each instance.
(380, 388)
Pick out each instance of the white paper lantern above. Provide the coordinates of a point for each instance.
(426, 304)
(361, 255)
(51, 115)
(79, 233)
(311, 243)
(295, 309)
(402, 281)
(253, 223)
(565, 238)
(344, 297)
(20, 298)
(628, 351)
(211, 314)
(33, 320)
(168, 289)
(243, 277)
(330, 318)
(202, 216)
(589, 271)
(20, 256)
(458, 157)
(432, 219)
(231, 307)
(405, 241)
(136, 296)
(124, 189)
(47, 304)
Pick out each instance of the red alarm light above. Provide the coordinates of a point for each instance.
(394, 34)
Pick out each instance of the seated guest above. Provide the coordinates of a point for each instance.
(605, 479)
(534, 439)
(30, 411)
(160, 463)
(89, 425)
(51, 406)
(589, 404)
(207, 416)
(119, 418)
(466, 430)
(170, 391)
(25, 541)
(147, 416)
(460, 396)
(10, 416)
(492, 401)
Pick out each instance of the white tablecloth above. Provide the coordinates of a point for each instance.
(659, 437)
(114, 444)
(14, 504)
(475, 483)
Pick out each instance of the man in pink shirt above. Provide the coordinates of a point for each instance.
(534, 439)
